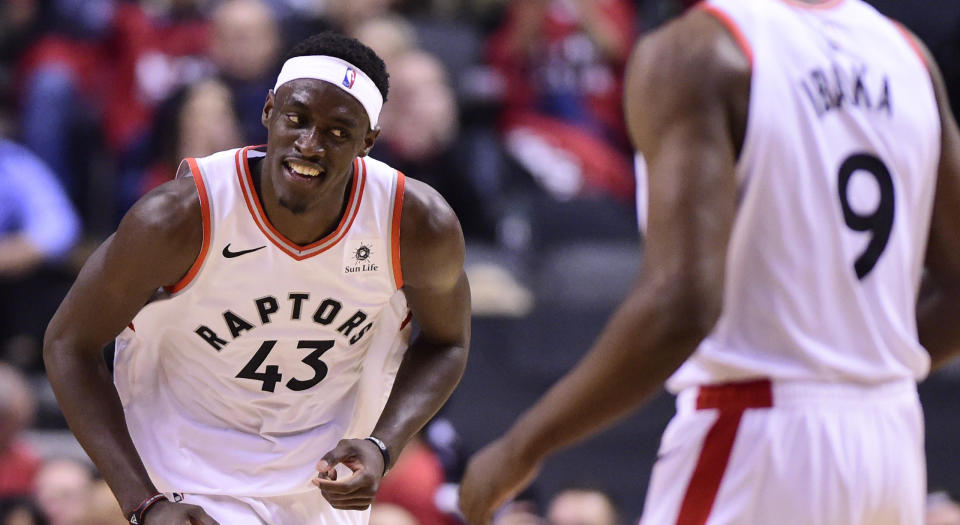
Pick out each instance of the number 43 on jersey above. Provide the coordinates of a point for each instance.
(272, 375)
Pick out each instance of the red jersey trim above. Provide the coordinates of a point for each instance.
(731, 400)
(297, 251)
(395, 230)
(205, 220)
(731, 26)
(707, 475)
(406, 320)
(736, 396)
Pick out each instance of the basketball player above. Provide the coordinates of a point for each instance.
(267, 359)
(804, 166)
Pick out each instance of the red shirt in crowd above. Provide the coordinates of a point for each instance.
(18, 468)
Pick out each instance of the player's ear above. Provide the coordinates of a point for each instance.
(267, 108)
(369, 140)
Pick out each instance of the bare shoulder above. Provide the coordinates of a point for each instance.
(936, 76)
(431, 240)
(692, 67)
(155, 245)
(694, 47)
(428, 221)
(164, 229)
(170, 211)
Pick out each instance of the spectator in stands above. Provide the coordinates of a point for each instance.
(19, 512)
(245, 48)
(53, 74)
(413, 483)
(424, 119)
(348, 14)
(38, 226)
(63, 487)
(206, 121)
(582, 506)
(19, 23)
(390, 37)
(194, 122)
(221, 111)
(105, 71)
(18, 463)
(419, 132)
(37, 222)
(518, 512)
(562, 65)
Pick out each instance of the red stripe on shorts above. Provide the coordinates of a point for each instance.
(731, 400)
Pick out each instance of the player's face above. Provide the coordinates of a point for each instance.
(314, 131)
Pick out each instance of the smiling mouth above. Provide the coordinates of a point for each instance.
(303, 169)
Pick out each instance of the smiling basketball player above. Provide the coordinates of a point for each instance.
(278, 345)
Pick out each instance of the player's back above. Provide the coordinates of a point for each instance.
(836, 180)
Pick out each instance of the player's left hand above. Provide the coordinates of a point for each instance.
(354, 492)
(494, 475)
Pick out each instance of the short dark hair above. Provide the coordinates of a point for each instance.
(334, 44)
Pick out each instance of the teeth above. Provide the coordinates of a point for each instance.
(303, 169)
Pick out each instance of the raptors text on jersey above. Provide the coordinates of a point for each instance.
(267, 353)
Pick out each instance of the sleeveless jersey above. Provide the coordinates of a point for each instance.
(836, 181)
(239, 378)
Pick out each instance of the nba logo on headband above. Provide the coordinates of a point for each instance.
(350, 77)
(339, 73)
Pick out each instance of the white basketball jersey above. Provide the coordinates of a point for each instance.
(267, 353)
(836, 182)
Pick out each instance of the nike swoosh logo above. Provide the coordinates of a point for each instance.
(230, 255)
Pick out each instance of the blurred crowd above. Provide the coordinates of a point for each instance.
(510, 108)
(500, 105)
(495, 103)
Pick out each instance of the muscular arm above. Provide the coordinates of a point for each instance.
(431, 253)
(155, 245)
(677, 110)
(938, 308)
(683, 86)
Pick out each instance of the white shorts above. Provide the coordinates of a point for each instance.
(306, 508)
(791, 454)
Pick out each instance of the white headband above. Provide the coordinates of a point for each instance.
(338, 72)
